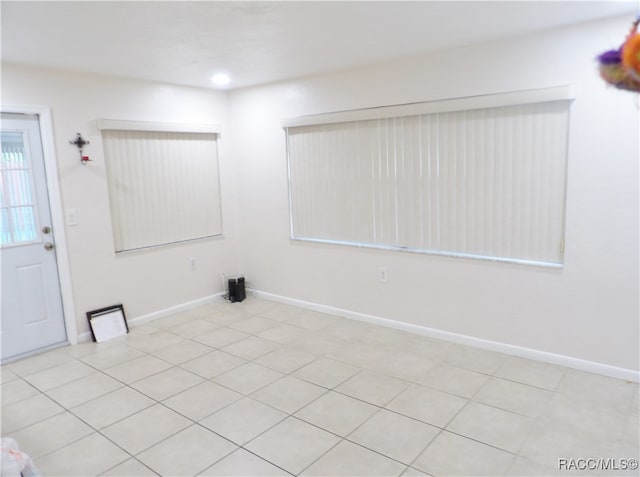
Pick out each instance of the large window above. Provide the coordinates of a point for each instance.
(163, 183)
(480, 177)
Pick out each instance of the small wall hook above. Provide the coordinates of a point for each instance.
(80, 143)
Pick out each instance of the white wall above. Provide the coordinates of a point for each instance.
(587, 310)
(144, 281)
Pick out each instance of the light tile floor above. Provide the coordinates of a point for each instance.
(260, 388)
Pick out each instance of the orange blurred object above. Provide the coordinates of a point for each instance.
(631, 56)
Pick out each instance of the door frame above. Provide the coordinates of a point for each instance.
(57, 212)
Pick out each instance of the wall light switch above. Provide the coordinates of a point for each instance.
(72, 217)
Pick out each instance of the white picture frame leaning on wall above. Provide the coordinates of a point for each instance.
(107, 323)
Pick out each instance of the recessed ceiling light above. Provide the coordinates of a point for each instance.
(221, 79)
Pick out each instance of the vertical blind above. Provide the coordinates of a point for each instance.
(163, 187)
(17, 197)
(487, 182)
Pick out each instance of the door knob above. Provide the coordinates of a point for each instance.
(46, 229)
(48, 246)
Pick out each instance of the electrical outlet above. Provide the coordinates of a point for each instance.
(383, 275)
(192, 263)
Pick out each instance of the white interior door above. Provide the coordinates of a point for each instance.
(32, 313)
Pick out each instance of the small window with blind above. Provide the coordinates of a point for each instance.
(163, 183)
(479, 177)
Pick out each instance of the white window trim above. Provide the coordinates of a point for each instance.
(485, 258)
(122, 125)
(513, 98)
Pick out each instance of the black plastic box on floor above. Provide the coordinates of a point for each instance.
(236, 290)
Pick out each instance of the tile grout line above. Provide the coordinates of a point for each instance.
(95, 431)
(131, 458)
(289, 345)
(444, 428)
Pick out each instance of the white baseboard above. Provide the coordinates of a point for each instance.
(84, 337)
(529, 353)
(154, 315)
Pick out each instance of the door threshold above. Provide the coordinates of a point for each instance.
(30, 354)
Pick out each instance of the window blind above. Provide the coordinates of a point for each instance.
(163, 186)
(487, 182)
(17, 198)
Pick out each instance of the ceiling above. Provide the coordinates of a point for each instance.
(261, 42)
